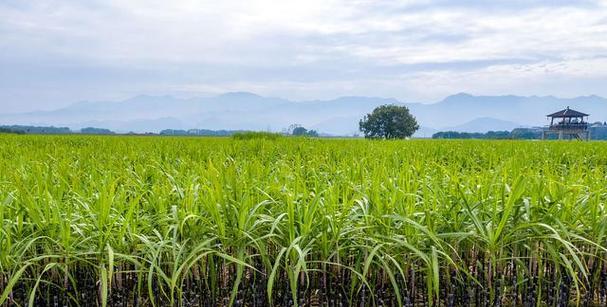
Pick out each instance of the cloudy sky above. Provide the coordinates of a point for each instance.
(54, 53)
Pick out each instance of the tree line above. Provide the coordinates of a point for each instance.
(597, 132)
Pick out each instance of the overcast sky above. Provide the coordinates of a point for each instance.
(54, 53)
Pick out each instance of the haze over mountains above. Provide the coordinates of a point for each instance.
(247, 111)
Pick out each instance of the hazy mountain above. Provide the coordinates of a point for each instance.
(485, 124)
(528, 111)
(425, 132)
(139, 125)
(242, 110)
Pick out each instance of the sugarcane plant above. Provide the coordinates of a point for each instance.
(157, 221)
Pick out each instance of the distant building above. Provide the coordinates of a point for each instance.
(567, 124)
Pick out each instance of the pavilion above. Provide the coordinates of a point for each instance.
(568, 124)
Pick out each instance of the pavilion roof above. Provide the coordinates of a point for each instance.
(567, 113)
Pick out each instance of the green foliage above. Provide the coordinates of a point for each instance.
(199, 132)
(37, 129)
(526, 134)
(492, 135)
(181, 221)
(301, 131)
(253, 135)
(312, 133)
(598, 132)
(93, 130)
(389, 122)
(8, 130)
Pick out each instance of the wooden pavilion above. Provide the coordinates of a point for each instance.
(568, 124)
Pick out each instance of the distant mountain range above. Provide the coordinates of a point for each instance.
(247, 111)
(484, 124)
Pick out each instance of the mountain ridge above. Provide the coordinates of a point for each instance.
(338, 116)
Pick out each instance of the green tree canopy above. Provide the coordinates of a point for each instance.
(300, 131)
(389, 122)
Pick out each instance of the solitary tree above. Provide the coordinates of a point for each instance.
(389, 122)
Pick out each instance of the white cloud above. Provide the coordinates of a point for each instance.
(301, 49)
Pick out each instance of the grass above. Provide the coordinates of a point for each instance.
(154, 221)
(256, 135)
